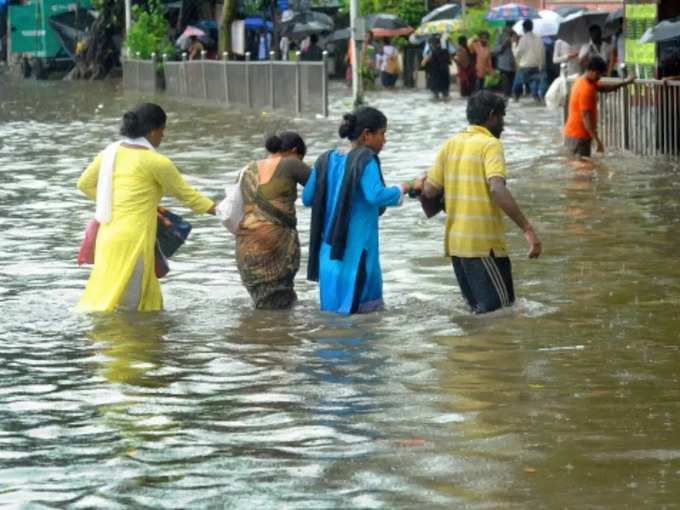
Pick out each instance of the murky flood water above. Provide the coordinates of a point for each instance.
(570, 400)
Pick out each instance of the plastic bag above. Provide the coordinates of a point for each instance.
(230, 210)
(88, 244)
(556, 95)
(492, 80)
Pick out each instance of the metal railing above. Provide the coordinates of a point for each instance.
(142, 75)
(643, 117)
(298, 87)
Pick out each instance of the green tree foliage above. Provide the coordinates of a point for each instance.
(254, 7)
(149, 32)
(228, 15)
(411, 11)
(474, 23)
(101, 53)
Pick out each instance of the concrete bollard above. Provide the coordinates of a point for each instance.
(272, 57)
(298, 83)
(324, 84)
(249, 101)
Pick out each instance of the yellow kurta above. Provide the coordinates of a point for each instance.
(140, 178)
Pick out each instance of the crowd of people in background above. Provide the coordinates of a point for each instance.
(517, 65)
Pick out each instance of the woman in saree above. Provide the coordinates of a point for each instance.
(267, 244)
(347, 193)
(128, 180)
(465, 61)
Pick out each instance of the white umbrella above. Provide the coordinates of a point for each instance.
(546, 26)
(664, 31)
(542, 27)
(447, 11)
(550, 15)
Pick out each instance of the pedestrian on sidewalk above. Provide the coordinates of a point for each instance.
(529, 54)
(581, 127)
(470, 172)
(596, 47)
(388, 63)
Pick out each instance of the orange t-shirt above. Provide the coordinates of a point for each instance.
(483, 60)
(583, 98)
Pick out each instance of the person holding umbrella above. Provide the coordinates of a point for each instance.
(388, 63)
(596, 47)
(436, 64)
(195, 48)
(313, 52)
(529, 52)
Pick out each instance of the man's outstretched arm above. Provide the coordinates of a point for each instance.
(503, 198)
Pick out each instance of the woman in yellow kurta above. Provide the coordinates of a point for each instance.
(123, 274)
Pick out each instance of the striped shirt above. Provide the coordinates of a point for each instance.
(463, 166)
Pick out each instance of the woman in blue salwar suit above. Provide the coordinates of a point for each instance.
(347, 194)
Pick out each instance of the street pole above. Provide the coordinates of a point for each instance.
(128, 15)
(356, 60)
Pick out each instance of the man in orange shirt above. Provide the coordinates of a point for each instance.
(482, 53)
(581, 126)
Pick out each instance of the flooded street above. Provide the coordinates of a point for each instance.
(571, 400)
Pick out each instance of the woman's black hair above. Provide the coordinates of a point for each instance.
(142, 119)
(482, 104)
(366, 117)
(286, 141)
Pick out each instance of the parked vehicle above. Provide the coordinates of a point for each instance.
(44, 33)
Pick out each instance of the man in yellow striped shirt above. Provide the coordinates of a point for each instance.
(470, 172)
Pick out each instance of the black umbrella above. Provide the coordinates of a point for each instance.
(308, 17)
(664, 31)
(574, 28)
(383, 20)
(614, 18)
(447, 11)
(301, 30)
(339, 35)
(566, 11)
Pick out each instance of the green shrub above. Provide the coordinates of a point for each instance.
(148, 33)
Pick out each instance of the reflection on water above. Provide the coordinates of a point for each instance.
(133, 346)
(569, 400)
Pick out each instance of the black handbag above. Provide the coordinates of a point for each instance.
(171, 232)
